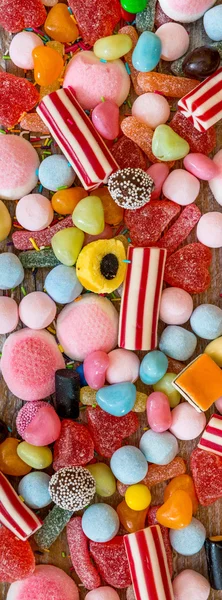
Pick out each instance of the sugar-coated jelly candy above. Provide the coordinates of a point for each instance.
(34, 488)
(134, 6)
(129, 465)
(105, 118)
(174, 39)
(138, 496)
(100, 522)
(113, 46)
(96, 18)
(10, 463)
(9, 316)
(59, 24)
(17, 560)
(165, 385)
(131, 520)
(168, 85)
(176, 512)
(111, 561)
(95, 366)
(188, 268)
(158, 412)
(20, 49)
(117, 399)
(37, 457)
(176, 306)
(64, 201)
(48, 65)
(34, 212)
(66, 245)
(25, 13)
(153, 367)
(88, 215)
(190, 539)
(147, 52)
(187, 422)
(197, 140)
(67, 390)
(74, 447)
(104, 478)
(182, 482)
(102, 593)
(32, 122)
(5, 221)
(152, 109)
(30, 423)
(190, 584)
(47, 581)
(201, 62)
(207, 480)
(167, 145)
(158, 448)
(79, 554)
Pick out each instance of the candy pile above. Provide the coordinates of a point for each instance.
(89, 152)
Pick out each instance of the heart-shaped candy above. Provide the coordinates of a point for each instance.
(206, 471)
(111, 561)
(17, 96)
(168, 145)
(176, 512)
(188, 268)
(148, 223)
(16, 15)
(74, 447)
(17, 560)
(109, 431)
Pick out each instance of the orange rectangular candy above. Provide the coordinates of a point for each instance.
(175, 87)
(200, 382)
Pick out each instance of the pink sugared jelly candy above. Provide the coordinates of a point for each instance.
(9, 316)
(31, 423)
(102, 593)
(48, 583)
(158, 412)
(17, 560)
(74, 447)
(29, 361)
(201, 166)
(181, 187)
(37, 310)
(159, 172)
(105, 118)
(123, 366)
(95, 366)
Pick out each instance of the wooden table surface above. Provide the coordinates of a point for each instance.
(9, 405)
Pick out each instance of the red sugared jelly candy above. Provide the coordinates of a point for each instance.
(95, 18)
(146, 224)
(165, 533)
(199, 141)
(111, 561)
(19, 14)
(179, 231)
(17, 560)
(80, 557)
(188, 268)
(128, 154)
(108, 431)
(17, 95)
(74, 447)
(206, 469)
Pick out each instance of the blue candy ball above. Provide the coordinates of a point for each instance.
(159, 448)
(34, 488)
(55, 172)
(190, 539)
(213, 23)
(129, 465)
(100, 522)
(206, 321)
(177, 342)
(11, 271)
(62, 284)
(153, 367)
(117, 399)
(147, 52)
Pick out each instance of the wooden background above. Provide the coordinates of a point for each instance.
(9, 405)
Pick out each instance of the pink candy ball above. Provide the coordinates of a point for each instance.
(95, 366)
(209, 229)
(190, 584)
(37, 310)
(46, 583)
(201, 166)
(158, 412)
(175, 40)
(103, 593)
(105, 118)
(159, 172)
(21, 47)
(123, 366)
(152, 109)
(187, 423)
(31, 423)
(181, 187)
(9, 316)
(216, 183)
(20, 162)
(176, 306)
(185, 11)
(218, 405)
(34, 212)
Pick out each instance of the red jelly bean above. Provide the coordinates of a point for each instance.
(74, 447)
(17, 560)
(17, 96)
(108, 431)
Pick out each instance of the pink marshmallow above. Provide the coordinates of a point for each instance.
(20, 172)
(185, 11)
(123, 366)
(46, 583)
(34, 212)
(9, 316)
(37, 310)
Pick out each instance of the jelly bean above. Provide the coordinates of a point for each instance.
(105, 481)
(123, 366)
(176, 306)
(56, 172)
(168, 145)
(182, 482)
(165, 385)
(34, 212)
(181, 187)
(131, 520)
(60, 26)
(177, 342)
(5, 222)
(134, 6)
(3, 431)
(159, 172)
(8, 314)
(117, 399)
(113, 214)
(10, 463)
(187, 422)
(88, 215)
(174, 39)
(190, 584)
(206, 321)
(158, 412)
(153, 367)
(190, 540)
(176, 512)
(147, 52)
(100, 522)
(151, 109)
(34, 488)
(11, 271)
(113, 46)
(37, 310)
(48, 65)
(103, 593)
(37, 457)
(64, 201)
(214, 350)
(21, 47)
(62, 284)
(138, 496)
(201, 166)
(95, 366)
(201, 62)
(66, 245)
(212, 23)
(209, 230)
(129, 465)
(105, 118)
(158, 448)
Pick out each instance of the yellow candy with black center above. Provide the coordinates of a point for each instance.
(100, 266)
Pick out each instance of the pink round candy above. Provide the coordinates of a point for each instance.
(185, 11)
(34, 212)
(218, 405)
(9, 316)
(105, 118)
(152, 109)
(201, 166)
(209, 229)
(37, 310)
(94, 368)
(176, 306)
(159, 172)
(103, 593)
(181, 187)
(31, 423)
(123, 366)
(158, 412)
(175, 40)
(187, 423)
(190, 584)
(21, 47)
(21, 162)
(47, 582)
(216, 183)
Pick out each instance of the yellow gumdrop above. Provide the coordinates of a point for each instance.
(165, 385)
(88, 215)
(37, 457)
(66, 245)
(112, 46)
(105, 480)
(214, 350)
(138, 496)
(5, 222)
(87, 396)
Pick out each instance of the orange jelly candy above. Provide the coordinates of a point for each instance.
(176, 512)
(185, 483)
(113, 214)
(175, 87)
(48, 65)
(64, 201)
(10, 463)
(60, 25)
(142, 135)
(131, 520)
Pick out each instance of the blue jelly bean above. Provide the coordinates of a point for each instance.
(62, 284)
(206, 321)
(213, 23)
(129, 465)
(100, 522)
(159, 448)
(177, 342)
(80, 370)
(11, 271)
(34, 488)
(190, 539)
(153, 367)
(117, 399)
(147, 52)
(55, 172)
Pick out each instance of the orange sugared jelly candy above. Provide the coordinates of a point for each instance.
(113, 214)
(131, 520)
(175, 87)
(142, 135)
(176, 512)
(200, 382)
(132, 33)
(185, 483)
(10, 463)
(64, 201)
(48, 65)
(60, 25)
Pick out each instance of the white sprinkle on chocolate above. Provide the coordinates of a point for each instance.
(130, 188)
(72, 488)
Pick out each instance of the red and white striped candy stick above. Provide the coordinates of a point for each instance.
(14, 514)
(140, 302)
(148, 564)
(211, 439)
(203, 105)
(77, 137)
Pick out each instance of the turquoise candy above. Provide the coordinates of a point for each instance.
(11, 271)
(190, 539)
(129, 465)
(177, 342)
(153, 367)
(34, 488)
(147, 52)
(117, 399)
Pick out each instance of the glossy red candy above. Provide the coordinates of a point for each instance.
(206, 469)
(146, 224)
(74, 447)
(111, 560)
(17, 97)
(108, 431)
(188, 268)
(19, 14)
(95, 18)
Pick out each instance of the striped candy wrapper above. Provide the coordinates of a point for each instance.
(148, 564)
(77, 137)
(140, 302)
(14, 514)
(203, 105)
(211, 440)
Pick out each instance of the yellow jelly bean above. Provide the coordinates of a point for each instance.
(105, 480)
(214, 350)
(113, 46)
(66, 245)
(5, 222)
(88, 215)
(37, 457)
(165, 386)
(138, 496)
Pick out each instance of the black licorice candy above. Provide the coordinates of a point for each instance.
(67, 393)
(213, 549)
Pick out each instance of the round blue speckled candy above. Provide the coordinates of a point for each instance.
(206, 321)
(55, 172)
(11, 271)
(213, 23)
(177, 342)
(159, 448)
(100, 522)
(129, 465)
(190, 539)
(34, 488)
(153, 367)
(62, 284)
